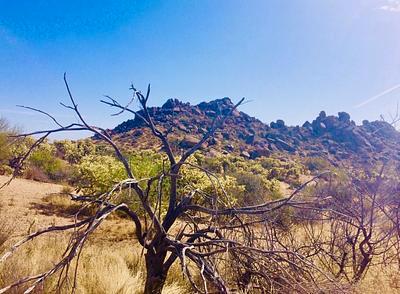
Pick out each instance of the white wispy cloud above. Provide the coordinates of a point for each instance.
(391, 5)
(377, 96)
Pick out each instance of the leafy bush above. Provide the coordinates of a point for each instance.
(225, 187)
(44, 161)
(257, 189)
(98, 173)
(260, 176)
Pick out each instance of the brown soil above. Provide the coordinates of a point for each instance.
(18, 201)
(22, 207)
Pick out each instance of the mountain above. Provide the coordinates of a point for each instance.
(335, 138)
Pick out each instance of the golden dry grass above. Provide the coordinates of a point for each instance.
(103, 268)
(110, 263)
(380, 280)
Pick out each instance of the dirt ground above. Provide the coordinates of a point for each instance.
(18, 202)
(22, 207)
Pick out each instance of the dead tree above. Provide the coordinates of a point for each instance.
(220, 247)
(362, 230)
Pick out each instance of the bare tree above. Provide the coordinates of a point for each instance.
(363, 229)
(220, 247)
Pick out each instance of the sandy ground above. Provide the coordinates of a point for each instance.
(21, 206)
(19, 201)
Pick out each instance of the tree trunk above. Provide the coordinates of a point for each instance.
(156, 274)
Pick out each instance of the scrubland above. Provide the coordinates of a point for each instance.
(112, 262)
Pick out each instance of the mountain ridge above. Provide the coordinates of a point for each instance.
(336, 138)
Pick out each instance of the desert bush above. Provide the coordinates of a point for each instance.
(260, 176)
(5, 170)
(11, 149)
(270, 169)
(4, 148)
(256, 188)
(74, 151)
(97, 173)
(222, 186)
(247, 182)
(36, 174)
(317, 164)
(43, 161)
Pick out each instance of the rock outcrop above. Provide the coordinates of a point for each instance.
(335, 137)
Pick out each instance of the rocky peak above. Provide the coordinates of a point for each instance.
(171, 103)
(217, 106)
(326, 136)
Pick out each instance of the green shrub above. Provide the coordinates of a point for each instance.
(232, 179)
(5, 151)
(98, 173)
(5, 170)
(43, 161)
(74, 151)
(317, 164)
(256, 188)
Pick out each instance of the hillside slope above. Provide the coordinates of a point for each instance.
(335, 138)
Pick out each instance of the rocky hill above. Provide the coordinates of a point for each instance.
(335, 138)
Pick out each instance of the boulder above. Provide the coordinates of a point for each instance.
(250, 139)
(226, 135)
(284, 145)
(259, 153)
(137, 133)
(344, 117)
(188, 142)
(279, 124)
(229, 148)
(220, 106)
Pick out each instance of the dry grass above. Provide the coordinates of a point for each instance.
(103, 268)
(118, 267)
(380, 280)
(61, 204)
(6, 229)
(111, 262)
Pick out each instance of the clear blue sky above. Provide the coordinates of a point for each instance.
(290, 59)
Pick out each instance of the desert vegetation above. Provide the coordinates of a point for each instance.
(200, 223)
